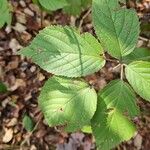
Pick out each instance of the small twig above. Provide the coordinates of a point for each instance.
(85, 15)
(111, 60)
(73, 21)
(116, 66)
(41, 13)
(144, 39)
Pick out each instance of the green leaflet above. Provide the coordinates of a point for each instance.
(5, 15)
(119, 95)
(117, 28)
(75, 6)
(68, 102)
(3, 88)
(110, 128)
(72, 7)
(138, 75)
(138, 54)
(53, 4)
(28, 123)
(63, 51)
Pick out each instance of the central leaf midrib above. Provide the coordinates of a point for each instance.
(110, 14)
(59, 54)
(69, 46)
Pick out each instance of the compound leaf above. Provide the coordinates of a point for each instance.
(53, 4)
(63, 51)
(5, 15)
(67, 102)
(138, 75)
(118, 94)
(138, 54)
(117, 28)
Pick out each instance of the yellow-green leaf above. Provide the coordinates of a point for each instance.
(110, 127)
(116, 27)
(118, 94)
(138, 75)
(63, 51)
(68, 102)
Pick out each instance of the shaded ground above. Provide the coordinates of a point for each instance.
(24, 80)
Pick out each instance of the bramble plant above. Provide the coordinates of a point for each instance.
(67, 100)
(5, 15)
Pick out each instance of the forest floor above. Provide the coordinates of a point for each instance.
(24, 80)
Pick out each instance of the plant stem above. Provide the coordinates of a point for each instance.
(73, 21)
(111, 60)
(117, 66)
(122, 72)
(41, 18)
